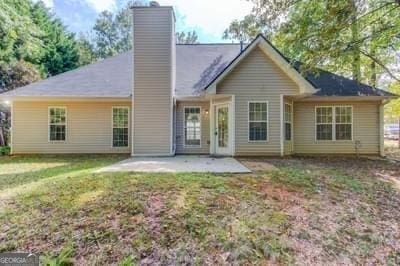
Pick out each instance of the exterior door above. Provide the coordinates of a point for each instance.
(222, 132)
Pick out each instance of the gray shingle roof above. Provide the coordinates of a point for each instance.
(196, 66)
(111, 77)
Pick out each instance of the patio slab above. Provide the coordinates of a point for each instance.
(178, 164)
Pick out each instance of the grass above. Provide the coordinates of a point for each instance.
(309, 211)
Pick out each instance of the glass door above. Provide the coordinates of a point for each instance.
(222, 129)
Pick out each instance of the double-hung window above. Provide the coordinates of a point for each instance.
(343, 122)
(288, 121)
(192, 126)
(258, 121)
(120, 122)
(57, 123)
(334, 122)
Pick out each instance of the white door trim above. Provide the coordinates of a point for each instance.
(231, 123)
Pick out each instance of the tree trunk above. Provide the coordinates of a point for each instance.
(356, 68)
(373, 74)
(373, 63)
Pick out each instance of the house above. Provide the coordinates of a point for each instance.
(164, 99)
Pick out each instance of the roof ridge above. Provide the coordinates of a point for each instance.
(212, 43)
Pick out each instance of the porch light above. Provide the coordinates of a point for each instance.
(7, 102)
(206, 111)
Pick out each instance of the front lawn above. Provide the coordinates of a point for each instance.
(307, 211)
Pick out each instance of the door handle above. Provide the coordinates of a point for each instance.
(216, 133)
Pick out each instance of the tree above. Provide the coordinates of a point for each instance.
(86, 51)
(19, 35)
(392, 109)
(60, 51)
(113, 32)
(186, 38)
(30, 32)
(244, 30)
(17, 74)
(343, 36)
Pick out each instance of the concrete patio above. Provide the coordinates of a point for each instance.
(178, 164)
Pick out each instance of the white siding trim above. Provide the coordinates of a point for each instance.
(248, 122)
(290, 122)
(231, 109)
(281, 116)
(212, 127)
(112, 126)
(184, 127)
(133, 87)
(292, 142)
(381, 129)
(233, 104)
(12, 129)
(48, 125)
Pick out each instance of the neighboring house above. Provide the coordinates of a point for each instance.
(165, 99)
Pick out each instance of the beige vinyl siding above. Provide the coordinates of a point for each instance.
(89, 128)
(205, 128)
(153, 73)
(257, 78)
(287, 144)
(365, 129)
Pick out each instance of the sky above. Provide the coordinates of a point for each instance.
(208, 17)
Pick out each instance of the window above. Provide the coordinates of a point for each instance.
(120, 122)
(258, 121)
(192, 126)
(343, 120)
(334, 123)
(57, 123)
(288, 121)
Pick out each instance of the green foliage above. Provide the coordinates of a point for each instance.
(244, 30)
(4, 150)
(62, 259)
(128, 261)
(85, 50)
(17, 74)
(187, 38)
(353, 38)
(295, 179)
(33, 44)
(392, 109)
(19, 35)
(113, 33)
(60, 53)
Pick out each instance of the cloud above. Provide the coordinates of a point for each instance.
(101, 5)
(47, 3)
(212, 16)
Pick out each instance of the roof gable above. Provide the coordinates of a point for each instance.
(305, 86)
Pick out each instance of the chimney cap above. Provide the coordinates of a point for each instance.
(154, 4)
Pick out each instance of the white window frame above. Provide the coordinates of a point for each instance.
(112, 127)
(333, 107)
(288, 122)
(64, 124)
(184, 126)
(248, 121)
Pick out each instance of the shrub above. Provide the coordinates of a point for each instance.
(4, 150)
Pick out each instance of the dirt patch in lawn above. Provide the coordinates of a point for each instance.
(257, 164)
